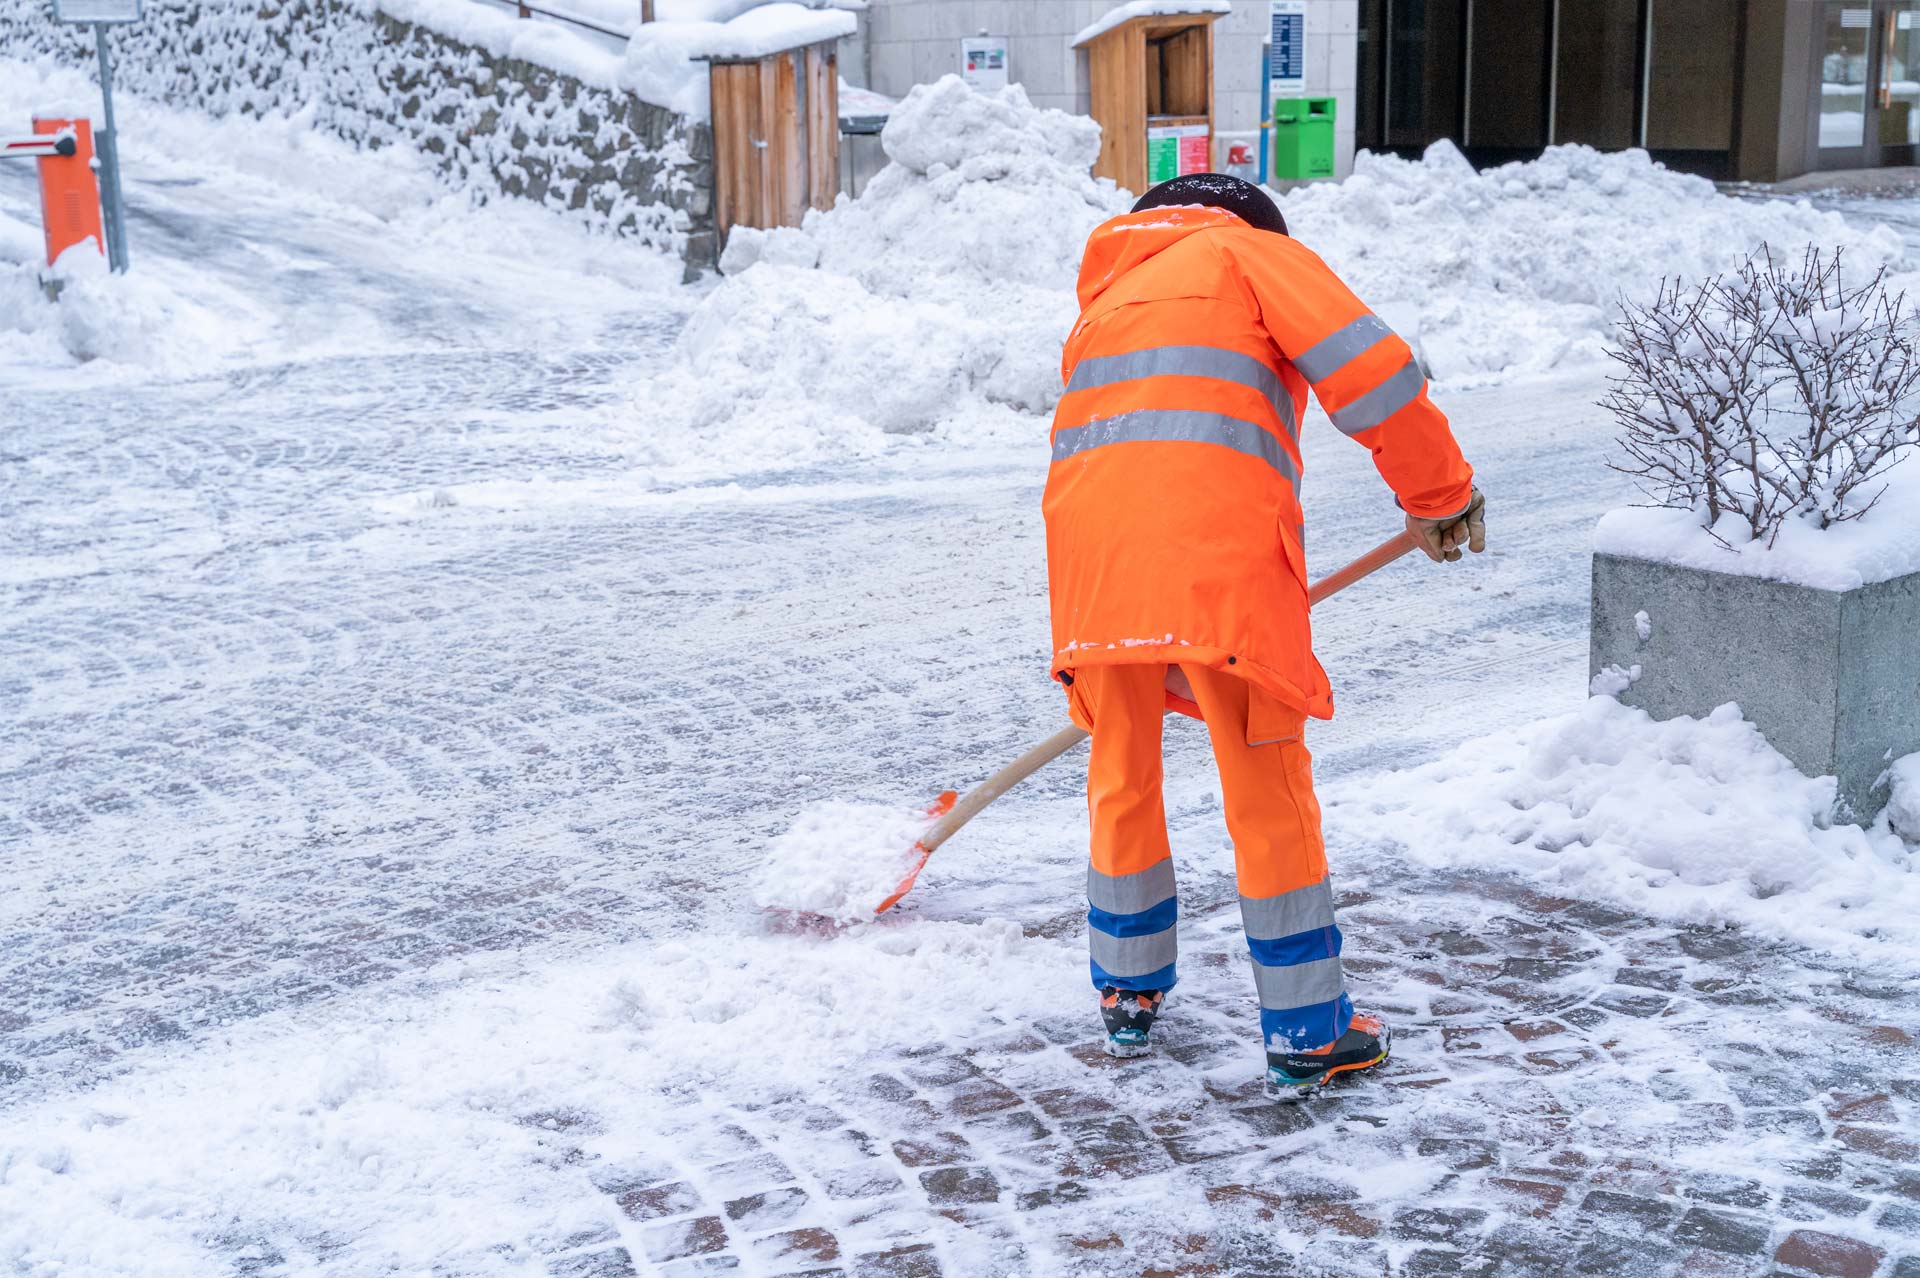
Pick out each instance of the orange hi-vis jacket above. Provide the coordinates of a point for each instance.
(1174, 525)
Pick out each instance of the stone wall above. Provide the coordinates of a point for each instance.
(495, 126)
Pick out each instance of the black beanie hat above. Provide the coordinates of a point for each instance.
(1218, 191)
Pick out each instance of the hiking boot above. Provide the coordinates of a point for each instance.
(1295, 1076)
(1129, 1015)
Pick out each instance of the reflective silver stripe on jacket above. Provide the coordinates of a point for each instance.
(1214, 362)
(1383, 401)
(1130, 893)
(1130, 956)
(1177, 426)
(1275, 918)
(1301, 985)
(1331, 354)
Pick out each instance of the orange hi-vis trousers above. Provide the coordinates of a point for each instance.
(1266, 782)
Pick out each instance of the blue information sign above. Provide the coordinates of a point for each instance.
(1287, 57)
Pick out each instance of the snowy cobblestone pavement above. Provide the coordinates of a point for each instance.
(357, 846)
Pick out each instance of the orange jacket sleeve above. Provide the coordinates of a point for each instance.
(1362, 374)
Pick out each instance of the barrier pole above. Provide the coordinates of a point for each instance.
(108, 145)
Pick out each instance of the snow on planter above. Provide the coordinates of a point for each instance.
(1770, 415)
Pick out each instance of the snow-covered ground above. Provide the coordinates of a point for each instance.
(411, 654)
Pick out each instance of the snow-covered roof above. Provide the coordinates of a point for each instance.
(768, 29)
(1147, 9)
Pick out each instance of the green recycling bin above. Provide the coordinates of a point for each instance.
(1303, 138)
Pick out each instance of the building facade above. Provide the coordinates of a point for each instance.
(1733, 89)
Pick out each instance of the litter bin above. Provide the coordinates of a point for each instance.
(1303, 138)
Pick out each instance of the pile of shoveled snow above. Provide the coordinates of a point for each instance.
(143, 321)
(937, 299)
(1517, 269)
(1694, 820)
(839, 860)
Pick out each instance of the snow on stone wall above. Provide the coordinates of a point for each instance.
(498, 125)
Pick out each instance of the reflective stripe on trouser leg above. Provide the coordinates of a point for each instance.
(1130, 927)
(1303, 993)
(1130, 886)
(1286, 902)
(1296, 967)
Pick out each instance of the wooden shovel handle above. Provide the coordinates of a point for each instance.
(970, 804)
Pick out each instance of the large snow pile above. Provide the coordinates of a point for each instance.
(1517, 269)
(938, 298)
(1694, 820)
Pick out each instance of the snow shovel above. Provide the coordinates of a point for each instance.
(954, 810)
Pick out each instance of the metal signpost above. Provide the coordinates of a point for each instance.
(101, 14)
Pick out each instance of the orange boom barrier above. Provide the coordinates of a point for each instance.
(69, 193)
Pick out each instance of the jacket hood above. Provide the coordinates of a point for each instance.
(1121, 243)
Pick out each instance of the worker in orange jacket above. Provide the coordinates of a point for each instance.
(1178, 581)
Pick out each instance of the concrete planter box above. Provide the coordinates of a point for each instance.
(1832, 678)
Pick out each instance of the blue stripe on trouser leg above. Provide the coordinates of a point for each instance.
(1296, 966)
(1130, 928)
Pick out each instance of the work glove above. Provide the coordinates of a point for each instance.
(1443, 538)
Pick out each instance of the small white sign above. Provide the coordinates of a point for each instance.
(91, 11)
(1287, 55)
(983, 62)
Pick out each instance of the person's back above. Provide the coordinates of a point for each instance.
(1177, 577)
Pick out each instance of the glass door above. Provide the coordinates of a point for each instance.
(1847, 33)
(1897, 87)
(1868, 112)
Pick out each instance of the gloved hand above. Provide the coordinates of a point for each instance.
(1442, 538)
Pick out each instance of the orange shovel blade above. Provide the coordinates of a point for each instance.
(921, 852)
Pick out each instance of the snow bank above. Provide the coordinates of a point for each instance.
(505, 34)
(1517, 269)
(662, 61)
(137, 321)
(1690, 820)
(839, 860)
(1146, 9)
(946, 289)
(1881, 545)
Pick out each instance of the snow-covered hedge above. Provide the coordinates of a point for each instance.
(497, 125)
(1778, 391)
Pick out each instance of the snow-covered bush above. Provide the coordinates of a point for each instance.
(1775, 392)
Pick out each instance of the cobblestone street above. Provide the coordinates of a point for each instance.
(307, 741)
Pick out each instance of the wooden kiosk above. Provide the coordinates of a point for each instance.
(1152, 81)
(776, 137)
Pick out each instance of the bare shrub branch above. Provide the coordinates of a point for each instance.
(1771, 393)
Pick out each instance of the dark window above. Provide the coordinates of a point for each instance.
(1367, 133)
(1424, 41)
(1506, 109)
(1596, 92)
(1691, 79)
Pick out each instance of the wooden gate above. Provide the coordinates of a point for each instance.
(776, 138)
